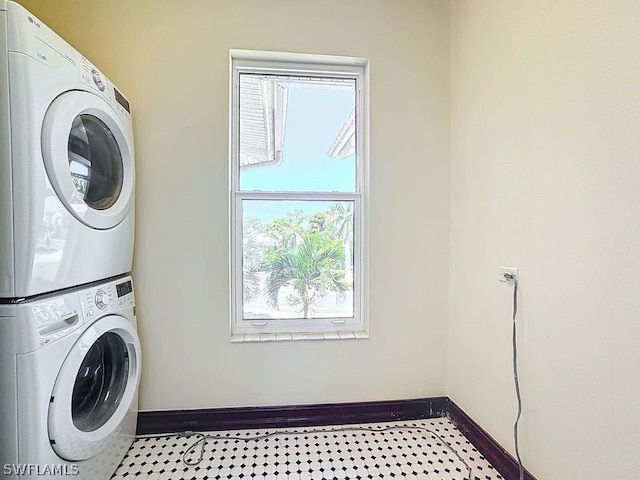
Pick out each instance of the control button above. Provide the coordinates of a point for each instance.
(97, 79)
(101, 299)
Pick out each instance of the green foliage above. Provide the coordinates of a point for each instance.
(312, 268)
(319, 223)
(286, 230)
(251, 227)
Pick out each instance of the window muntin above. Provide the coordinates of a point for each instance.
(297, 158)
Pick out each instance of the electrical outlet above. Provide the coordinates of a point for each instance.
(504, 271)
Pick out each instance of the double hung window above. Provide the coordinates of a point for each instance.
(298, 196)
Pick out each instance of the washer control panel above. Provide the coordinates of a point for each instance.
(104, 298)
(53, 317)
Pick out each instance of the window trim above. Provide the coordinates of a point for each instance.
(244, 61)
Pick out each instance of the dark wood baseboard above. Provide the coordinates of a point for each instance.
(289, 416)
(240, 418)
(495, 454)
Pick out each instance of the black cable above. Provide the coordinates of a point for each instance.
(202, 439)
(516, 381)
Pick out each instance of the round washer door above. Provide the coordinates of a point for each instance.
(95, 388)
(88, 155)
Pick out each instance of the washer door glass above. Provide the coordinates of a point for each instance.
(95, 162)
(94, 398)
(100, 382)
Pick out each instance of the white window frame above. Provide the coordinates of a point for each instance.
(249, 61)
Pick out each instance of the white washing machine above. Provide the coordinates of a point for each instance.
(66, 164)
(69, 370)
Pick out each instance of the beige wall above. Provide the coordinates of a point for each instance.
(545, 171)
(171, 59)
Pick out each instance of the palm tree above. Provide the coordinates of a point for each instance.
(312, 268)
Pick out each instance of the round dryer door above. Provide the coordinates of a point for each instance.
(95, 389)
(88, 155)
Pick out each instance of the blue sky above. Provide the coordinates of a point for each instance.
(314, 118)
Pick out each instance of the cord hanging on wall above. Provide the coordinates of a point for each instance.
(510, 275)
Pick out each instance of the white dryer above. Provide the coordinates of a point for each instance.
(69, 370)
(66, 164)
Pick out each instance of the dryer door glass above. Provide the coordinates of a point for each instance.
(95, 162)
(100, 382)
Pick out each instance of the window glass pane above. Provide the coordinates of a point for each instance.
(297, 133)
(297, 259)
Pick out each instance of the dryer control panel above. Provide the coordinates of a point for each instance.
(29, 36)
(92, 77)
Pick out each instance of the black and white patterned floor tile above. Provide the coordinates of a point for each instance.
(423, 449)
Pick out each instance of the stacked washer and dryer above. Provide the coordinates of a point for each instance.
(69, 351)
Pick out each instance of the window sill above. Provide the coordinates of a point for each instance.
(295, 337)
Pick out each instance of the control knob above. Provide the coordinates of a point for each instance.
(97, 79)
(101, 299)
